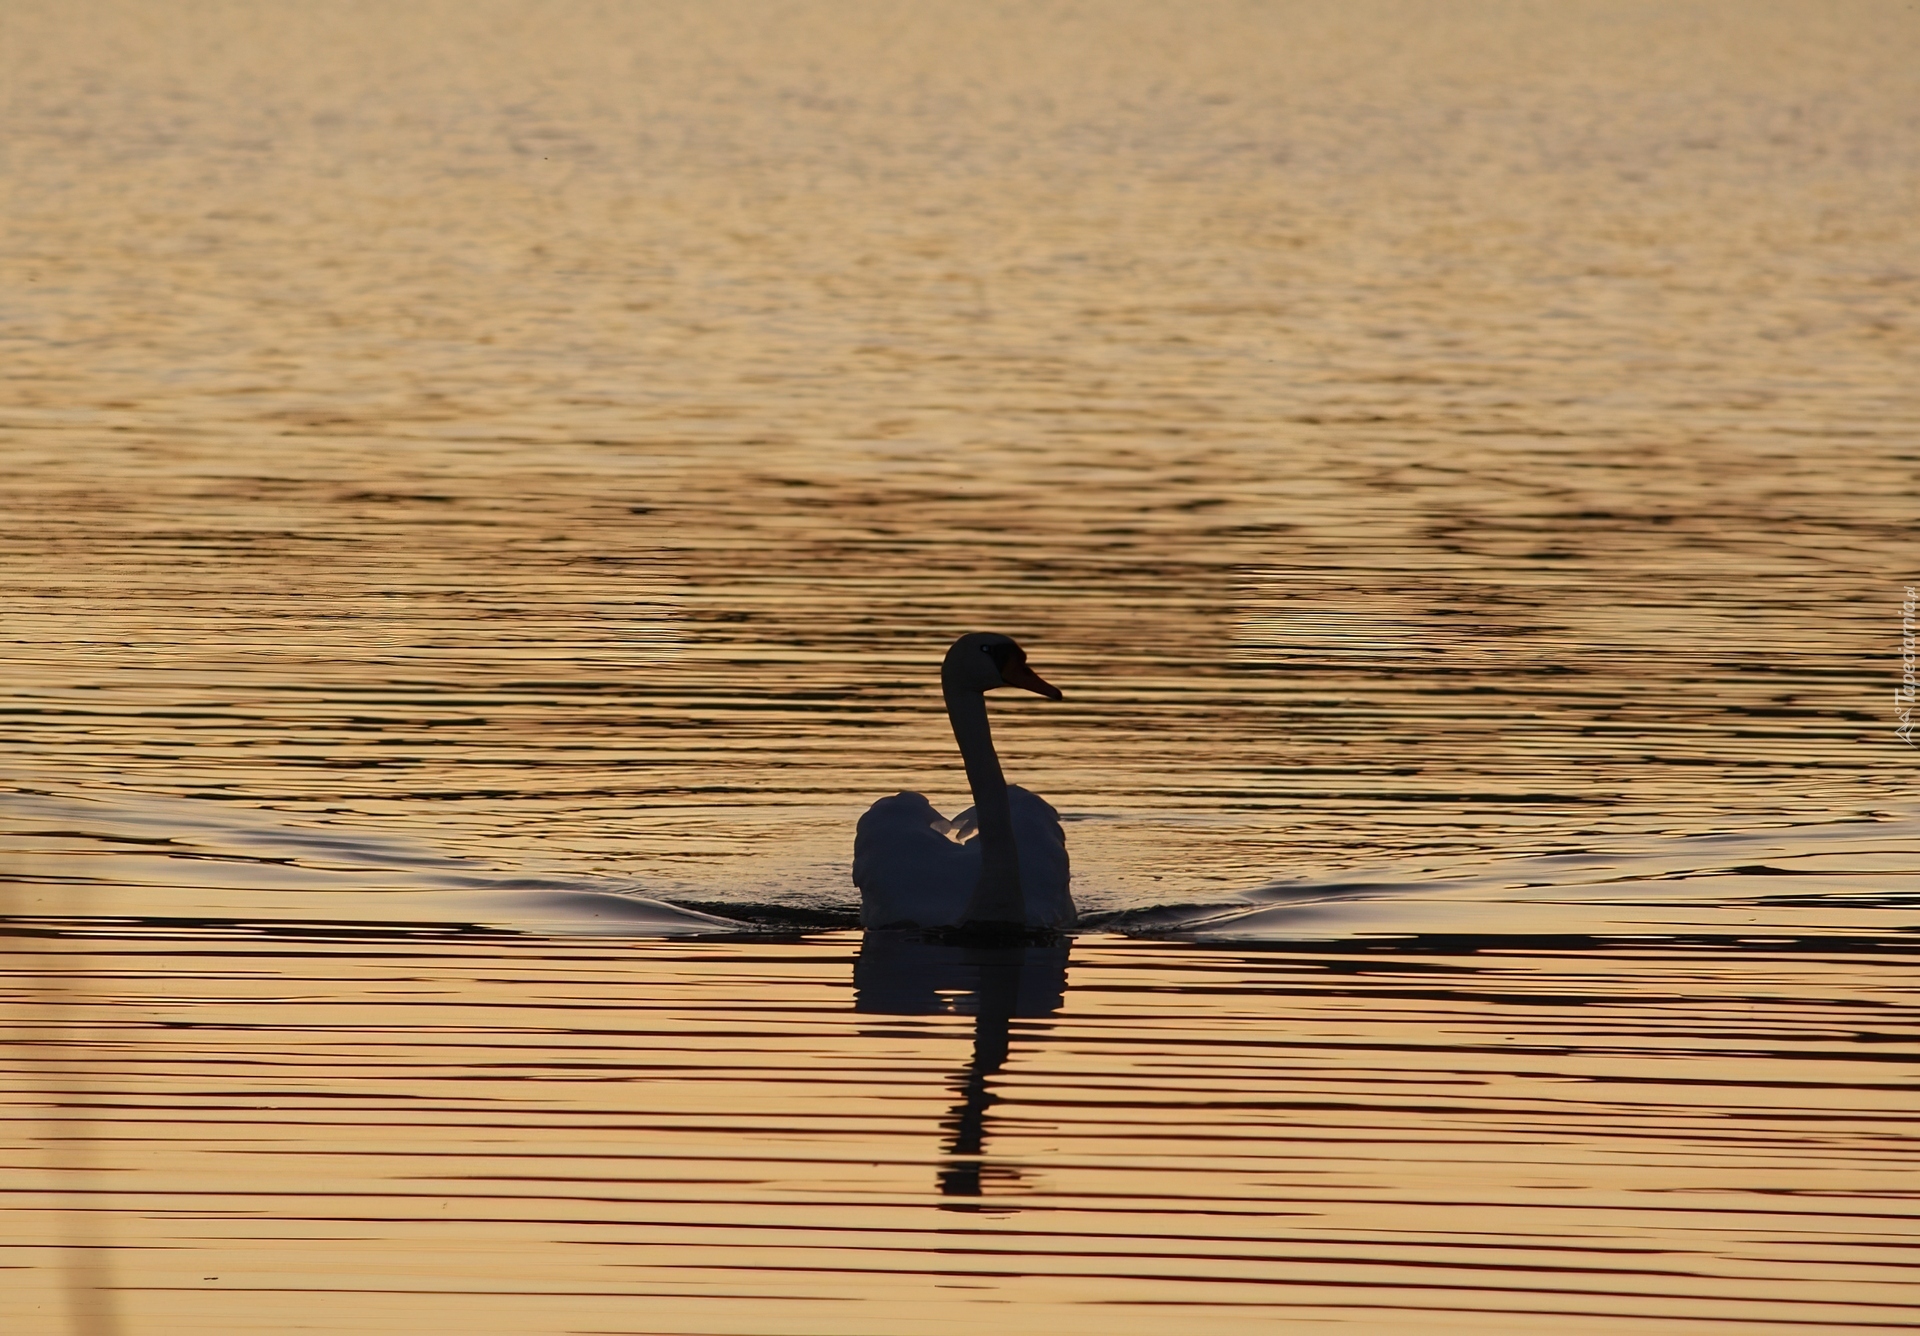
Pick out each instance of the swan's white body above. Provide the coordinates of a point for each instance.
(912, 874)
(1005, 862)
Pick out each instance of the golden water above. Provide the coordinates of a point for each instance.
(467, 461)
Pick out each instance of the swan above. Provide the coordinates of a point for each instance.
(916, 869)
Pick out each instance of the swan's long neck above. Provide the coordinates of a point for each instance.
(997, 898)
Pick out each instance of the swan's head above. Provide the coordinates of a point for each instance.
(982, 660)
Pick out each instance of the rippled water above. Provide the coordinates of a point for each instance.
(487, 489)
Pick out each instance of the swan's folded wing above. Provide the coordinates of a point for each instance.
(907, 871)
(1045, 873)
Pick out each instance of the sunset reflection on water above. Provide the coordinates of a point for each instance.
(489, 484)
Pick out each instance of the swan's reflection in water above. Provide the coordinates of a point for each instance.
(903, 974)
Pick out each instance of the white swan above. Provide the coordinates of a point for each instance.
(916, 869)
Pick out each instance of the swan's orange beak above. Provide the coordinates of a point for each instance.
(1019, 675)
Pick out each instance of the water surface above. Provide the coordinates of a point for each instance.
(487, 489)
